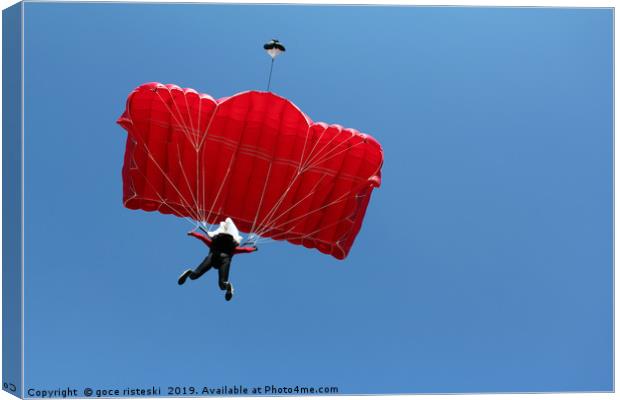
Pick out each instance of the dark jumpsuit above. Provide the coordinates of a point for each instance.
(222, 248)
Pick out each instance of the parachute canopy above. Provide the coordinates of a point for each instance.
(253, 157)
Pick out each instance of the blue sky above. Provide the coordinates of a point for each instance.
(485, 259)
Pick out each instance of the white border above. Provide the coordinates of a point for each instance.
(23, 242)
(477, 3)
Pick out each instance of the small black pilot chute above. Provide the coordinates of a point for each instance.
(274, 48)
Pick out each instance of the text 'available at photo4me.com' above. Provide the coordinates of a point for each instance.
(179, 391)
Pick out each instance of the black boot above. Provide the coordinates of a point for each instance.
(184, 276)
(229, 292)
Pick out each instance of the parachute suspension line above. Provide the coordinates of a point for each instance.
(196, 192)
(269, 224)
(150, 155)
(260, 203)
(188, 131)
(189, 187)
(269, 215)
(198, 205)
(189, 116)
(270, 72)
(164, 202)
(302, 237)
(196, 139)
(223, 183)
(313, 160)
(327, 156)
(192, 137)
(272, 224)
(205, 221)
(198, 160)
(303, 167)
(199, 118)
(219, 191)
(199, 202)
(181, 123)
(200, 183)
(338, 200)
(204, 136)
(268, 221)
(252, 237)
(303, 150)
(263, 227)
(279, 236)
(185, 204)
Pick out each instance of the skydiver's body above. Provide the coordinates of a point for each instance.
(222, 247)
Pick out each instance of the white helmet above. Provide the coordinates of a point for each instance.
(227, 226)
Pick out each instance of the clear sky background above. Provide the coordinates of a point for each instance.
(485, 259)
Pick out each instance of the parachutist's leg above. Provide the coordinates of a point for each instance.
(184, 276)
(224, 270)
(229, 292)
(204, 266)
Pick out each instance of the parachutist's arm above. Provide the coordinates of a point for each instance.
(239, 250)
(202, 237)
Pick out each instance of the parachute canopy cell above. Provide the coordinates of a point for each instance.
(253, 157)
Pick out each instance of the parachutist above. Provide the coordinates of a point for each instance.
(223, 244)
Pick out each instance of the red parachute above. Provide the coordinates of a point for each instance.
(254, 157)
